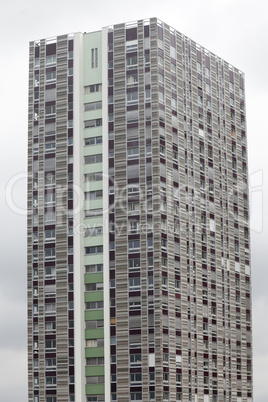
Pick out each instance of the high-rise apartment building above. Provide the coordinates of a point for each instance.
(139, 285)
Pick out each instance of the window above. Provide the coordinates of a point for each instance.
(147, 95)
(165, 377)
(51, 59)
(132, 79)
(94, 268)
(132, 115)
(160, 61)
(50, 253)
(135, 360)
(50, 110)
(134, 283)
(50, 363)
(50, 271)
(162, 150)
(95, 361)
(174, 103)
(134, 263)
(50, 327)
(163, 243)
(133, 191)
(132, 97)
(36, 95)
(134, 305)
(136, 379)
(93, 250)
(161, 78)
(131, 46)
(132, 62)
(51, 399)
(94, 58)
(90, 213)
(173, 67)
(49, 179)
(50, 128)
(51, 344)
(94, 305)
(164, 281)
(36, 80)
(89, 177)
(50, 217)
(161, 97)
(95, 231)
(150, 282)
(94, 343)
(133, 226)
(37, 62)
(93, 195)
(95, 380)
(92, 88)
(93, 324)
(93, 159)
(50, 308)
(93, 123)
(133, 206)
(50, 199)
(50, 147)
(51, 76)
(166, 396)
(134, 244)
(51, 381)
(92, 106)
(148, 150)
(132, 152)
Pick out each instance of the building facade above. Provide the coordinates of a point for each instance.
(139, 284)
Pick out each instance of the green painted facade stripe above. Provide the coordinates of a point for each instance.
(94, 131)
(94, 185)
(94, 167)
(94, 315)
(94, 370)
(93, 114)
(93, 259)
(90, 222)
(93, 204)
(92, 76)
(94, 333)
(93, 241)
(93, 278)
(92, 150)
(93, 97)
(94, 352)
(95, 389)
(93, 296)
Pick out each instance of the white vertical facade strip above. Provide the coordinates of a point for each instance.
(79, 342)
(106, 270)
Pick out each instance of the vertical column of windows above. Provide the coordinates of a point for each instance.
(50, 219)
(92, 230)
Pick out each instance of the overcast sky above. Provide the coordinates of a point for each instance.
(235, 30)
